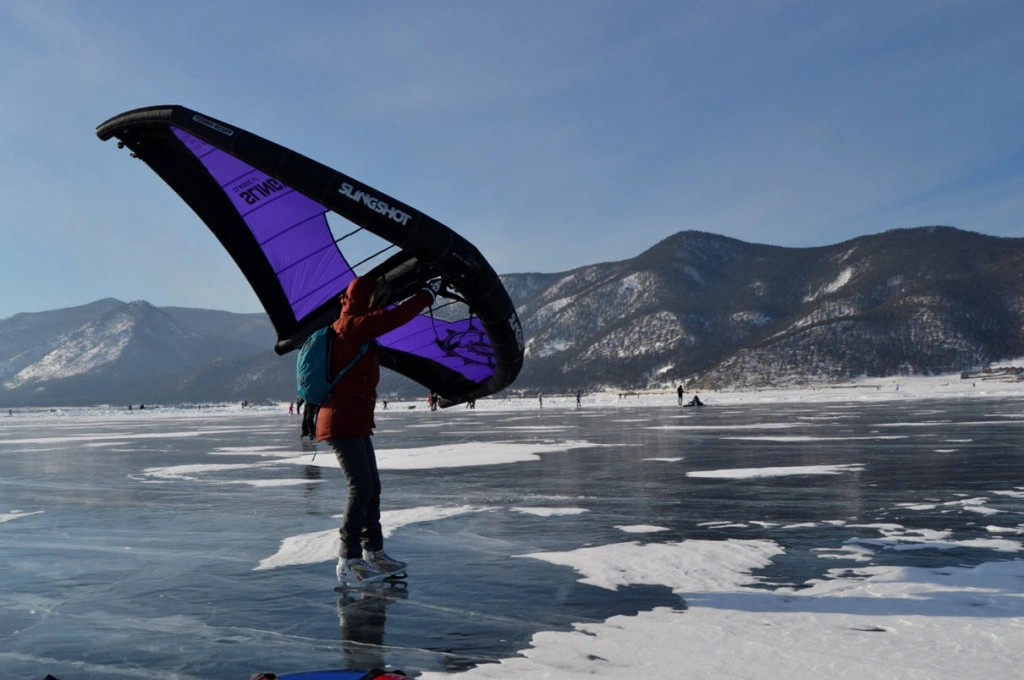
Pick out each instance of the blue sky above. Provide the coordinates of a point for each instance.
(550, 134)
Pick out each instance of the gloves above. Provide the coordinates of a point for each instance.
(432, 288)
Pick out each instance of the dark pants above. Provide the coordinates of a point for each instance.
(309, 412)
(360, 526)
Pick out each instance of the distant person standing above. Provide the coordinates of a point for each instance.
(540, 400)
(578, 404)
(679, 395)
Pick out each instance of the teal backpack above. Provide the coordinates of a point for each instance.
(313, 366)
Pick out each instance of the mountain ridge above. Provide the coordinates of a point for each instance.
(696, 308)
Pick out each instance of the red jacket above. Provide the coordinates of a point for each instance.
(349, 411)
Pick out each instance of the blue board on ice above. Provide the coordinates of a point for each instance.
(338, 675)
(325, 675)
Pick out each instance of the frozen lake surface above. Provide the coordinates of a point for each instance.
(761, 538)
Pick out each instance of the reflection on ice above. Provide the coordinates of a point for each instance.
(728, 427)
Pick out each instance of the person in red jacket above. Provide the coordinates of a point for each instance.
(345, 423)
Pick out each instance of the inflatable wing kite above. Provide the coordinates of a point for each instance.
(277, 213)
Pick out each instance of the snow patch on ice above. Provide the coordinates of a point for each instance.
(756, 473)
(807, 438)
(877, 622)
(857, 553)
(1002, 530)
(640, 528)
(464, 454)
(899, 538)
(916, 506)
(322, 546)
(192, 472)
(687, 566)
(467, 454)
(17, 514)
(749, 426)
(550, 512)
(273, 483)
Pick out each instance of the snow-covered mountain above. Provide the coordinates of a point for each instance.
(716, 312)
(697, 308)
(111, 351)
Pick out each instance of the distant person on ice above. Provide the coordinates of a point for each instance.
(345, 423)
(679, 394)
(695, 401)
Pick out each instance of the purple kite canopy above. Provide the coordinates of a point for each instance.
(290, 229)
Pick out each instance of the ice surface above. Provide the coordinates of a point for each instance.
(878, 535)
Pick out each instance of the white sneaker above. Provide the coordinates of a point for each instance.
(384, 562)
(356, 571)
